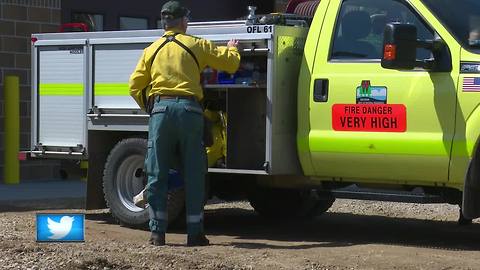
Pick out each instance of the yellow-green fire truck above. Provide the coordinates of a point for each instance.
(369, 99)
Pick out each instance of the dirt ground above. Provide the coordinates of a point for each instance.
(351, 235)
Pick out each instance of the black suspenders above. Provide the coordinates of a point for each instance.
(172, 38)
(169, 38)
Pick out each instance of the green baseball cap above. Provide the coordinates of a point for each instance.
(174, 10)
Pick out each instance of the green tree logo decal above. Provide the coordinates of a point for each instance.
(366, 90)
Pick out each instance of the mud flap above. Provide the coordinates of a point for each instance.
(471, 192)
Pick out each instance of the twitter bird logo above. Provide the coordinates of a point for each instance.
(60, 227)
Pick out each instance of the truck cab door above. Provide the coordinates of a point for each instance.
(371, 123)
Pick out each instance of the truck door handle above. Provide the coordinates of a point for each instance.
(320, 90)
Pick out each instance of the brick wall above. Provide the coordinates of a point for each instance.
(18, 20)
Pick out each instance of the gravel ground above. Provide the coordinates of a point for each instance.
(351, 235)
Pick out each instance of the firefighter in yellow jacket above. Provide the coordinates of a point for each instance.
(171, 68)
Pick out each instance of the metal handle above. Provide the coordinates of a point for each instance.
(57, 153)
(217, 23)
(118, 115)
(320, 90)
(256, 50)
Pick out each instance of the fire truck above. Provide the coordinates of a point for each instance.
(367, 99)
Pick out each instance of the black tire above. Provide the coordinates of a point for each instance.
(287, 203)
(322, 205)
(124, 177)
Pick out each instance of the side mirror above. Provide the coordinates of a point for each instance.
(399, 46)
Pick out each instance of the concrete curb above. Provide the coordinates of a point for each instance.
(39, 195)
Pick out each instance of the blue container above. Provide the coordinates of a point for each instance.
(226, 78)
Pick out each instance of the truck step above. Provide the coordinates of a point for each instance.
(354, 192)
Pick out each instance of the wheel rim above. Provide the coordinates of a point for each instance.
(130, 180)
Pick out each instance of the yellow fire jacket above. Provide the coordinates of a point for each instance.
(174, 71)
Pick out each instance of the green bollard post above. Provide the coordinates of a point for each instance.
(12, 130)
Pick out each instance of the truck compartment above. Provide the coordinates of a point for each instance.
(246, 129)
(258, 102)
(245, 111)
(243, 99)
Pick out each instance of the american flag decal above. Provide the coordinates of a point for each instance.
(471, 84)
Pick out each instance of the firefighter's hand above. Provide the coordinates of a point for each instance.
(232, 43)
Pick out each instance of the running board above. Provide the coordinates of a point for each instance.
(382, 195)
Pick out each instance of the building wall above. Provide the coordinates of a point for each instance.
(201, 10)
(18, 20)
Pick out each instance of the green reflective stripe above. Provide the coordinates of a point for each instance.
(111, 89)
(61, 89)
(424, 144)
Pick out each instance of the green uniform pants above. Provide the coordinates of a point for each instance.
(176, 128)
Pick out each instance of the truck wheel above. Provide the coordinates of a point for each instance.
(281, 203)
(322, 205)
(124, 177)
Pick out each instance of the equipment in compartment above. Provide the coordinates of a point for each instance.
(252, 71)
(242, 96)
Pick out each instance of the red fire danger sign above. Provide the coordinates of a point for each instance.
(369, 117)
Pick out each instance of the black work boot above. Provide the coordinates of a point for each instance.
(462, 220)
(157, 239)
(197, 240)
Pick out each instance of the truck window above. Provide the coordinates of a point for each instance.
(93, 21)
(360, 25)
(132, 23)
(461, 17)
